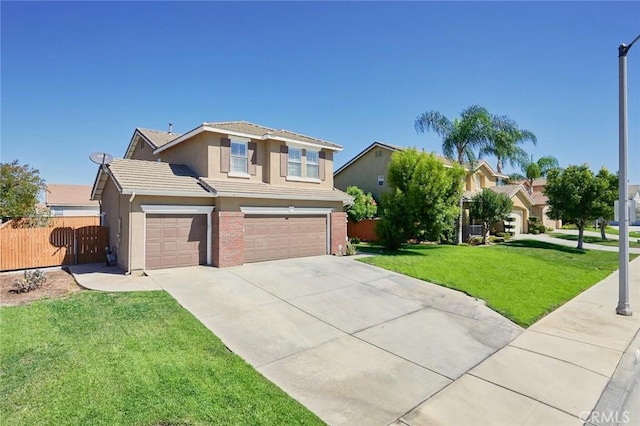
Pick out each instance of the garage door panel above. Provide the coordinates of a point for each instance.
(284, 237)
(175, 240)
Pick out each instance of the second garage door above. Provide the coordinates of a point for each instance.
(282, 237)
(175, 240)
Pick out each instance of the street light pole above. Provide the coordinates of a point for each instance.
(624, 308)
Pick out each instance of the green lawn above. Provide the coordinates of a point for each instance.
(593, 240)
(128, 358)
(523, 280)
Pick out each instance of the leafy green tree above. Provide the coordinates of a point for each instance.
(533, 170)
(363, 207)
(607, 201)
(489, 207)
(575, 196)
(423, 201)
(505, 140)
(463, 137)
(20, 186)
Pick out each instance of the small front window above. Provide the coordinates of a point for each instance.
(313, 168)
(380, 180)
(295, 162)
(238, 157)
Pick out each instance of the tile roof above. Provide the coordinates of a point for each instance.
(506, 189)
(539, 198)
(69, 195)
(147, 177)
(157, 137)
(262, 132)
(232, 188)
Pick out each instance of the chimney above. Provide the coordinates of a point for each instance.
(170, 127)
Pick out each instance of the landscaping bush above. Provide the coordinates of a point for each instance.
(389, 234)
(533, 219)
(350, 249)
(496, 239)
(31, 280)
(354, 240)
(505, 235)
(475, 241)
(537, 228)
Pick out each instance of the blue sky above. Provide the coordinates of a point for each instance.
(78, 77)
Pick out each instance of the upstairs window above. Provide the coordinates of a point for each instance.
(238, 156)
(295, 162)
(313, 168)
(381, 180)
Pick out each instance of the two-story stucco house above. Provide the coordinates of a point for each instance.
(221, 194)
(368, 171)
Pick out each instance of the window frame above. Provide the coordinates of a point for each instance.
(316, 164)
(290, 161)
(245, 144)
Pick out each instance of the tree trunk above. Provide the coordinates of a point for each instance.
(499, 166)
(485, 231)
(603, 225)
(580, 235)
(460, 156)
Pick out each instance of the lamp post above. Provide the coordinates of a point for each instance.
(624, 308)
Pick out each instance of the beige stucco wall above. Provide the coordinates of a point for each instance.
(143, 151)
(110, 206)
(522, 204)
(364, 173)
(193, 153)
(202, 154)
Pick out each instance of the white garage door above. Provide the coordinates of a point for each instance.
(517, 223)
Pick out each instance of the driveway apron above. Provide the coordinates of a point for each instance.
(354, 343)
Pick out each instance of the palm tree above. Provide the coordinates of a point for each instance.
(533, 170)
(463, 137)
(505, 140)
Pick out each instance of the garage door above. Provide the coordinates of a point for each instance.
(175, 240)
(517, 223)
(282, 237)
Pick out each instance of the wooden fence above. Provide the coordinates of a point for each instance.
(69, 241)
(365, 230)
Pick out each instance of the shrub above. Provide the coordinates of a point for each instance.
(497, 239)
(30, 281)
(350, 249)
(505, 235)
(389, 234)
(475, 241)
(533, 219)
(354, 240)
(537, 228)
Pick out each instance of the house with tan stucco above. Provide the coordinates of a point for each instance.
(368, 171)
(221, 194)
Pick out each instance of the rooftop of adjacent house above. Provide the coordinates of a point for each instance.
(391, 147)
(69, 195)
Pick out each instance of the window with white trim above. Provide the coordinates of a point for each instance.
(381, 180)
(238, 156)
(295, 162)
(313, 164)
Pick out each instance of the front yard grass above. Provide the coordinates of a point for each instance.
(127, 358)
(523, 280)
(593, 240)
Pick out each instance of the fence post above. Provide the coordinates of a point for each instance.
(75, 246)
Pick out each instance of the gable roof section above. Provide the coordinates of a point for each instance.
(153, 138)
(150, 178)
(390, 147)
(69, 195)
(253, 131)
(375, 144)
(243, 189)
(511, 191)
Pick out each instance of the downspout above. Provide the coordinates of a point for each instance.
(133, 195)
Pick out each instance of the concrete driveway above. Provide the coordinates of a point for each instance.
(354, 343)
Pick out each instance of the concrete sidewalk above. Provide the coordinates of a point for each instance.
(555, 372)
(98, 276)
(568, 243)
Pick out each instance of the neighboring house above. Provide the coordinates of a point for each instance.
(634, 208)
(368, 171)
(221, 194)
(540, 207)
(71, 200)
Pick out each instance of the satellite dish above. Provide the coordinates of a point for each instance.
(101, 158)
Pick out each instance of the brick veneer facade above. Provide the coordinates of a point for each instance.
(338, 232)
(227, 238)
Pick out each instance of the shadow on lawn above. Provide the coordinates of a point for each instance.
(405, 250)
(544, 245)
